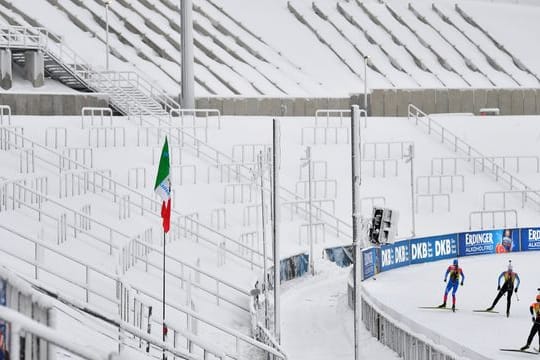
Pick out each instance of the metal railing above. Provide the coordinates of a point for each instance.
(387, 148)
(492, 213)
(459, 145)
(85, 286)
(503, 194)
(137, 199)
(110, 243)
(127, 90)
(21, 324)
(450, 181)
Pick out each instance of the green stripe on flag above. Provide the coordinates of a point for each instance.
(164, 168)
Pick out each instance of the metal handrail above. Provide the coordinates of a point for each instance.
(505, 192)
(20, 323)
(125, 236)
(237, 335)
(144, 198)
(459, 144)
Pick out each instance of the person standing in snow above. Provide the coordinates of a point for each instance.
(508, 287)
(456, 273)
(535, 312)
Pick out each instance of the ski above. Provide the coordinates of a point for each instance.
(521, 351)
(487, 311)
(436, 308)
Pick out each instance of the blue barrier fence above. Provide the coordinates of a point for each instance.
(434, 248)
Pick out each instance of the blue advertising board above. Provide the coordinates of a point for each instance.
(433, 248)
(370, 265)
(530, 239)
(489, 242)
(395, 255)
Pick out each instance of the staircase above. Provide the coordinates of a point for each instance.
(128, 92)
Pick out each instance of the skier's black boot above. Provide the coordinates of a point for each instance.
(454, 307)
(489, 308)
(524, 347)
(443, 305)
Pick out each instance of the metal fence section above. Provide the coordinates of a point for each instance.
(502, 195)
(435, 198)
(459, 145)
(380, 168)
(438, 184)
(57, 135)
(5, 115)
(449, 165)
(385, 150)
(105, 136)
(301, 207)
(247, 153)
(83, 155)
(320, 188)
(196, 116)
(406, 345)
(218, 218)
(252, 215)
(137, 177)
(319, 170)
(96, 116)
(184, 174)
(328, 117)
(335, 135)
(317, 229)
(89, 292)
(335, 117)
(11, 137)
(226, 172)
(27, 161)
(238, 193)
(496, 221)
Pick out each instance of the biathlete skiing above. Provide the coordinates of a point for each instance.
(456, 274)
(535, 312)
(510, 277)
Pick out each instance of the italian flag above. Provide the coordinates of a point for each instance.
(163, 186)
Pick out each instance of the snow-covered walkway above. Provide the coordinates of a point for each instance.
(317, 322)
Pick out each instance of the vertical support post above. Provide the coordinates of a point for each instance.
(310, 214)
(164, 330)
(263, 229)
(107, 4)
(413, 218)
(188, 78)
(356, 181)
(276, 225)
(366, 58)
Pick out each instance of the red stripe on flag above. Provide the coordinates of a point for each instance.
(166, 215)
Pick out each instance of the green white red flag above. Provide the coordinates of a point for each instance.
(162, 188)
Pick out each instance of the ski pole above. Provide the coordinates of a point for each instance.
(517, 296)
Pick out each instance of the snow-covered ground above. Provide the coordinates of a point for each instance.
(406, 289)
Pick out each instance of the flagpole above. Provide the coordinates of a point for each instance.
(164, 326)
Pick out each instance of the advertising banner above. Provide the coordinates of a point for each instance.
(434, 248)
(370, 265)
(489, 242)
(530, 239)
(395, 255)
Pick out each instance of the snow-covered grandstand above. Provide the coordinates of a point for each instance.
(82, 251)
